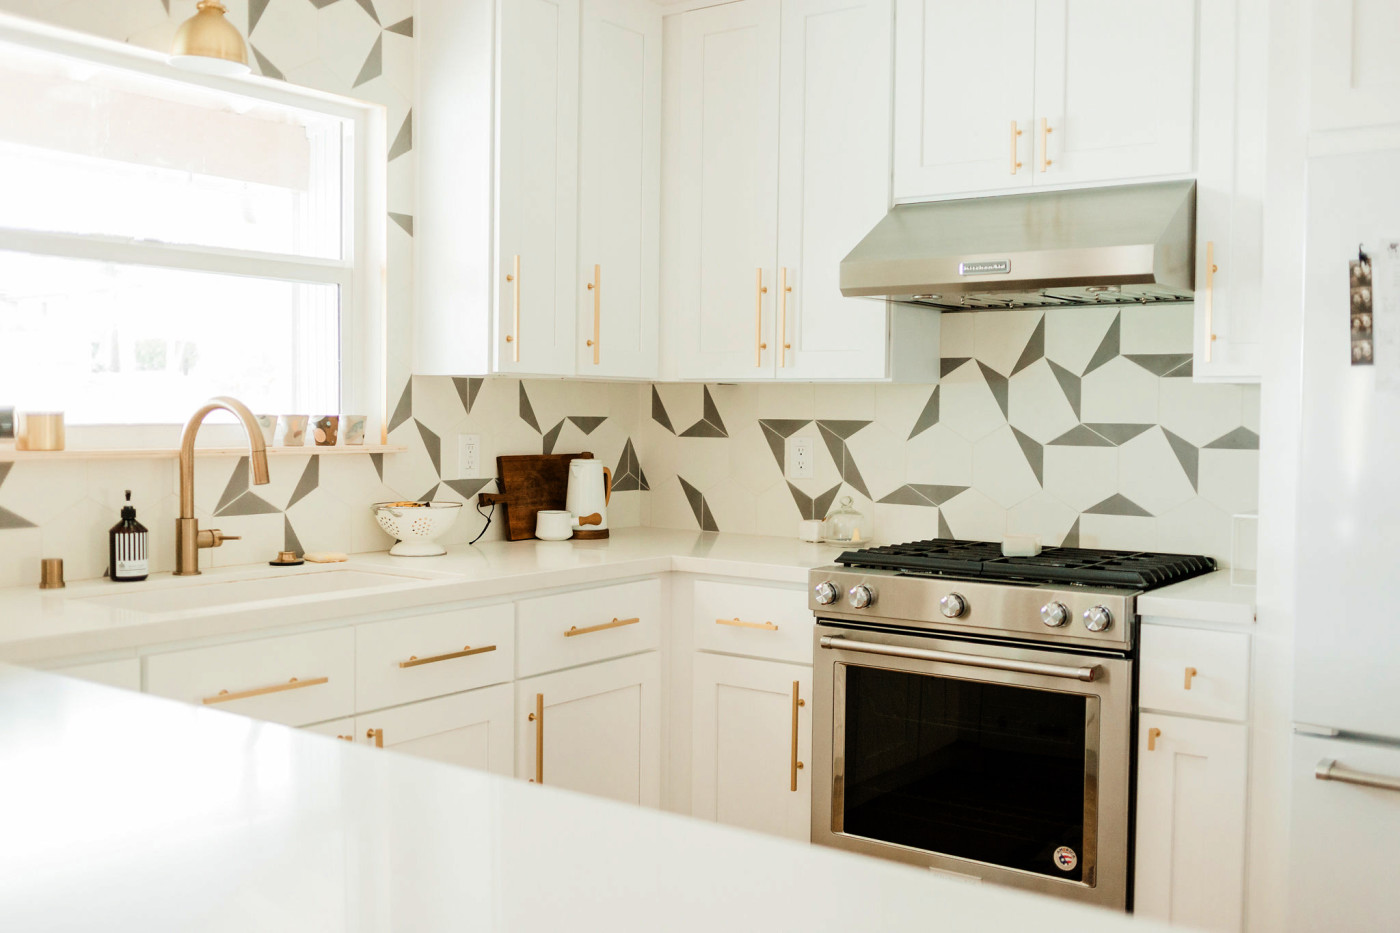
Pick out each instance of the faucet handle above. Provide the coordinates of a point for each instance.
(221, 537)
(213, 537)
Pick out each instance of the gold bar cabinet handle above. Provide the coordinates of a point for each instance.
(1153, 735)
(596, 287)
(513, 338)
(784, 289)
(1015, 134)
(537, 717)
(739, 623)
(1045, 130)
(615, 623)
(467, 651)
(377, 735)
(223, 696)
(1211, 269)
(758, 345)
(797, 702)
(346, 738)
(1190, 672)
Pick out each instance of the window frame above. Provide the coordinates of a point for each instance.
(360, 273)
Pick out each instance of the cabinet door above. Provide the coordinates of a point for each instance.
(469, 729)
(343, 729)
(594, 729)
(726, 191)
(1355, 73)
(836, 71)
(619, 189)
(752, 745)
(964, 72)
(537, 186)
(124, 673)
(1230, 192)
(1190, 821)
(1115, 84)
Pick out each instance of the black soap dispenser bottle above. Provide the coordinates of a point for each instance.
(128, 550)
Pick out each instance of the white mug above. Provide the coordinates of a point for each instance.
(553, 525)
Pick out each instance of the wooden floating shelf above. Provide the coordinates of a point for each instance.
(8, 454)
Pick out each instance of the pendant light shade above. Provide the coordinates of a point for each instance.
(208, 42)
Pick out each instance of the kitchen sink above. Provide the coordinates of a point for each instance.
(172, 597)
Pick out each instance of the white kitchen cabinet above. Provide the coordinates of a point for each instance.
(752, 744)
(594, 729)
(537, 135)
(619, 189)
(1353, 69)
(1115, 87)
(964, 97)
(1191, 821)
(474, 729)
(124, 673)
(1000, 96)
(343, 729)
(1228, 338)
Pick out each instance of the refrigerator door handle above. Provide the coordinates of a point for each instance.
(1329, 770)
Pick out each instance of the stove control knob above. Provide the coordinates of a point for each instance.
(1097, 619)
(861, 596)
(825, 593)
(952, 605)
(1054, 614)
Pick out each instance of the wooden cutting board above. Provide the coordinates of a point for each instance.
(529, 483)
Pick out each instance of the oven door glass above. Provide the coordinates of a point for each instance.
(969, 769)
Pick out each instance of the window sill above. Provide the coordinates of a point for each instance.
(8, 454)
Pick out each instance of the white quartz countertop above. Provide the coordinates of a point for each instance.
(128, 812)
(97, 617)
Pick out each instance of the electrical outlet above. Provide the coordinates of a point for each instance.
(468, 456)
(799, 454)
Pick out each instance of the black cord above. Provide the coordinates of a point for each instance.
(485, 526)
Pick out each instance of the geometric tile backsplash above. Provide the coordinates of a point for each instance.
(1080, 425)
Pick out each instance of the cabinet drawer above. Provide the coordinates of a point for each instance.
(403, 660)
(255, 678)
(1194, 671)
(737, 618)
(125, 673)
(588, 625)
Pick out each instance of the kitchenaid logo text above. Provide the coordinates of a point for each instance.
(985, 267)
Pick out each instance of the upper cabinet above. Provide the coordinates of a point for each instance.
(780, 165)
(1354, 71)
(1004, 95)
(538, 151)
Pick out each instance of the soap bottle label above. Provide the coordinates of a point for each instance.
(131, 558)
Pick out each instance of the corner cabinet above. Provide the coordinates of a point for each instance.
(1061, 92)
(780, 166)
(537, 137)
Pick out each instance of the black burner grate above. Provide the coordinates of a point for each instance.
(982, 560)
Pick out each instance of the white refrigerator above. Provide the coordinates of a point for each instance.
(1345, 845)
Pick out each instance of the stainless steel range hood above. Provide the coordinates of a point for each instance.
(1093, 246)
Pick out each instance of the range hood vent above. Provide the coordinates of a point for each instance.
(1132, 244)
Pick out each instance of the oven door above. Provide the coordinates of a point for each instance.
(1005, 763)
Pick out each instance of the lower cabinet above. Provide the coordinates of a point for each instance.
(470, 729)
(594, 729)
(343, 729)
(752, 744)
(1191, 821)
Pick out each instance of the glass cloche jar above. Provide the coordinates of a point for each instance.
(845, 525)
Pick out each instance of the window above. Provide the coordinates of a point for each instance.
(165, 238)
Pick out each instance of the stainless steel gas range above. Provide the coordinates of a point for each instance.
(974, 713)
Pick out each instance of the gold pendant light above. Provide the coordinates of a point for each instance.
(209, 43)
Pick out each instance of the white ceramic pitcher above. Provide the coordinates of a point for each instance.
(590, 490)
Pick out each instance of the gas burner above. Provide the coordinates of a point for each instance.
(981, 560)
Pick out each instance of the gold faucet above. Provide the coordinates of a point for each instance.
(188, 536)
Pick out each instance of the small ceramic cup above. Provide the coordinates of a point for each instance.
(291, 431)
(553, 525)
(267, 424)
(352, 429)
(327, 429)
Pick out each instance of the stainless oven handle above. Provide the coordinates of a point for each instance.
(841, 643)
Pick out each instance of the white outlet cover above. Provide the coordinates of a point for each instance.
(468, 455)
(800, 454)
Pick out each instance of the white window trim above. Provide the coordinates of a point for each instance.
(361, 274)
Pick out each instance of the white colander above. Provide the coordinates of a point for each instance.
(416, 526)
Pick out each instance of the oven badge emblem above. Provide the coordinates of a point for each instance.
(1065, 858)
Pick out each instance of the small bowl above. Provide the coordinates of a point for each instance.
(417, 526)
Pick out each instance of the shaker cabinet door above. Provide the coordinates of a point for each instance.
(964, 90)
(537, 186)
(471, 729)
